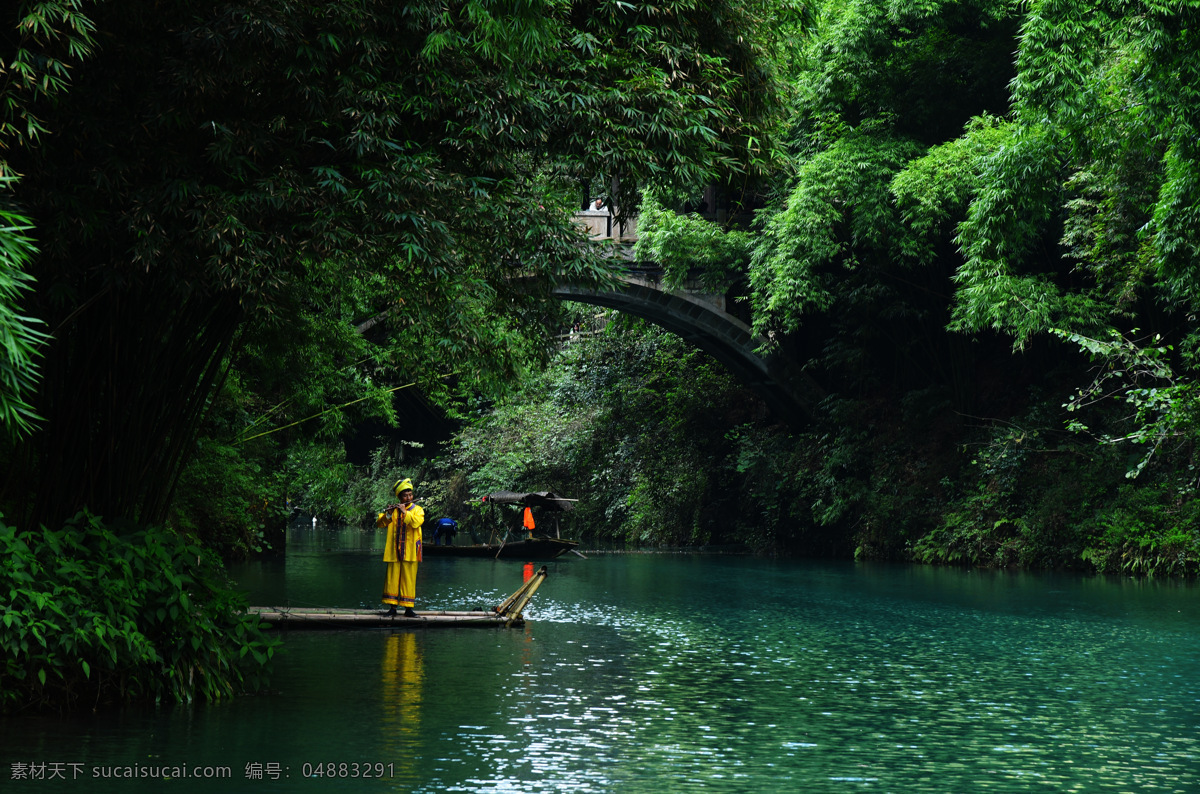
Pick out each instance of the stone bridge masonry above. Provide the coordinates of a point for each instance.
(700, 318)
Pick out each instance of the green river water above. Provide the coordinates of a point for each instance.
(677, 673)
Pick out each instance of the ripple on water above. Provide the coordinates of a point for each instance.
(645, 675)
(904, 697)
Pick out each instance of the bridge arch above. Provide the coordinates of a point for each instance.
(701, 319)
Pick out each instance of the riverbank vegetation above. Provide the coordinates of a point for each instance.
(97, 615)
(986, 260)
(666, 448)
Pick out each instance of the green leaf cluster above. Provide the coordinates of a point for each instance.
(20, 335)
(1088, 207)
(49, 38)
(687, 245)
(1149, 530)
(939, 185)
(878, 185)
(35, 64)
(838, 217)
(96, 614)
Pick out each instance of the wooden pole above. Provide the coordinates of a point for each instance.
(534, 583)
(508, 602)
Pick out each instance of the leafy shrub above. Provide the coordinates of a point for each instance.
(683, 243)
(100, 615)
(1146, 530)
(770, 469)
(222, 500)
(22, 337)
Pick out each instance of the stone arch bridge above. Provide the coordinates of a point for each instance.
(701, 318)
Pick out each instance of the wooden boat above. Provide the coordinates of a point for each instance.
(509, 613)
(508, 543)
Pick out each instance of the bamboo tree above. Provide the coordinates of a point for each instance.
(35, 65)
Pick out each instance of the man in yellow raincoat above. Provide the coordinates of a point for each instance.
(402, 550)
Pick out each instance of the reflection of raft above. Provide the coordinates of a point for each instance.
(509, 613)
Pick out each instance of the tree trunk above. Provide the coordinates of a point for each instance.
(126, 380)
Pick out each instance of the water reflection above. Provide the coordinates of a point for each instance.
(631, 677)
(402, 682)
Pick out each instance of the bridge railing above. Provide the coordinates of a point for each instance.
(602, 225)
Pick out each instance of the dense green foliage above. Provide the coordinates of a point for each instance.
(662, 447)
(95, 615)
(946, 197)
(686, 244)
(256, 223)
(597, 426)
(951, 239)
(34, 66)
(218, 174)
(19, 337)
(959, 238)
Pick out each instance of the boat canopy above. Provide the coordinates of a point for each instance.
(547, 500)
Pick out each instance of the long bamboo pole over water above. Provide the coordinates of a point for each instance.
(532, 582)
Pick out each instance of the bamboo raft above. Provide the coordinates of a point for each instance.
(508, 614)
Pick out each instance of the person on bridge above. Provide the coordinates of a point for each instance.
(402, 549)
